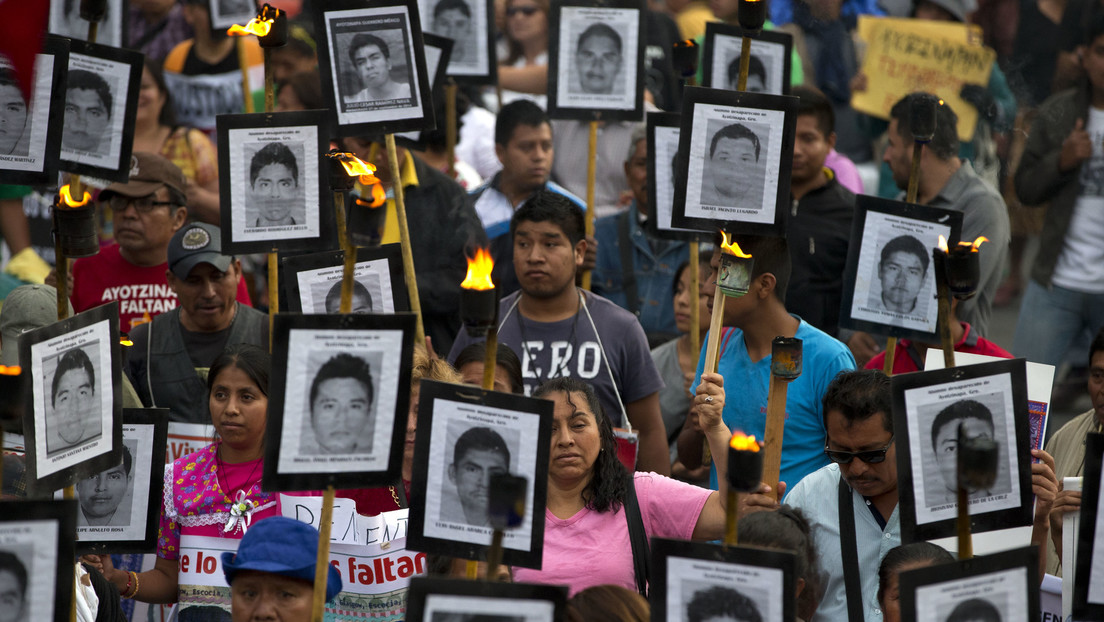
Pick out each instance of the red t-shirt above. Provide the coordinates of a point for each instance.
(903, 362)
(142, 292)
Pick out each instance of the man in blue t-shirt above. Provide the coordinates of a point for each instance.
(751, 322)
(557, 329)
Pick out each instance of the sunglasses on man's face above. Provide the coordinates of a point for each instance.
(527, 11)
(869, 456)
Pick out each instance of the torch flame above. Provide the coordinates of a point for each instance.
(67, 198)
(942, 243)
(124, 340)
(976, 243)
(355, 167)
(479, 271)
(742, 442)
(260, 25)
(10, 370)
(731, 247)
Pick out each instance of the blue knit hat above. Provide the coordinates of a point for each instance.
(282, 546)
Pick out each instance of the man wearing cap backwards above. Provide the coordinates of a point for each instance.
(146, 211)
(271, 576)
(168, 362)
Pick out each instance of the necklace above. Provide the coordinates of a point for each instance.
(241, 509)
(571, 340)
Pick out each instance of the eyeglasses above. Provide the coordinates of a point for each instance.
(870, 456)
(527, 11)
(143, 205)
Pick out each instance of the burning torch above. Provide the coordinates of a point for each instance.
(345, 170)
(785, 368)
(744, 472)
(505, 510)
(976, 463)
(479, 309)
(74, 236)
(752, 14)
(957, 273)
(271, 28)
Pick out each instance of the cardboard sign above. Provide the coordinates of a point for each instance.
(906, 56)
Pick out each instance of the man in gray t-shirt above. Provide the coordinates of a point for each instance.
(558, 330)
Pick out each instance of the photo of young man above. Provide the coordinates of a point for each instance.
(73, 417)
(734, 168)
(598, 59)
(371, 58)
(13, 115)
(101, 495)
(479, 453)
(274, 186)
(88, 101)
(902, 272)
(341, 412)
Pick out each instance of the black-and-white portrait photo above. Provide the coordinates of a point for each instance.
(73, 403)
(708, 603)
(65, 21)
(438, 51)
(663, 164)
(768, 63)
(735, 161)
(342, 384)
(320, 290)
(29, 144)
(435, 599)
(895, 279)
(467, 23)
(597, 64)
(101, 97)
(274, 198)
(226, 13)
(983, 407)
(106, 498)
(465, 436)
(451, 608)
(36, 561)
(995, 592)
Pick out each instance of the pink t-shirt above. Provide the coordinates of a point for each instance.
(592, 548)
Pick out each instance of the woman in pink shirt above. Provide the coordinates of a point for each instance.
(586, 533)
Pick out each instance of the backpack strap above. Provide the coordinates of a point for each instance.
(642, 555)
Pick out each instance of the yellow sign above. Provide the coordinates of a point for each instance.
(906, 56)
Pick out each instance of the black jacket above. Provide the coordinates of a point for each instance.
(818, 229)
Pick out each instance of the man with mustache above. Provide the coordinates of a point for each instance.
(168, 363)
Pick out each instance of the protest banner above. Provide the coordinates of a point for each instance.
(906, 56)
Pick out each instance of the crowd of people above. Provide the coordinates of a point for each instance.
(620, 354)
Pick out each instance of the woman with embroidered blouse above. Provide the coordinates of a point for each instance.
(216, 491)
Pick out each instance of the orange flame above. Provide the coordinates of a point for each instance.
(942, 243)
(67, 198)
(260, 25)
(378, 194)
(479, 271)
(365, 171)
(974, 247)
(742, 442)
(124, 340)
(10, 370)
(731, 247)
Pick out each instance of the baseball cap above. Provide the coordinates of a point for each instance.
(194, 244)
(148, 171)
(957, 8)
(26, 308)
(282, 546)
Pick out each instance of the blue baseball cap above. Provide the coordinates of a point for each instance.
(282, 546)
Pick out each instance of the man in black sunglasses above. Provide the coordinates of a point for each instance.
(863, 473)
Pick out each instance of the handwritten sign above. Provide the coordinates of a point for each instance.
(906, 56)
(347, 526)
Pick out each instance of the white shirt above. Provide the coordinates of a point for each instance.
(1080, 266)
(818, 497)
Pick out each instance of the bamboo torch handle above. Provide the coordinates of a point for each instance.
(774, 431)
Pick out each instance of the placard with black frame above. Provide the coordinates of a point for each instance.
(768, 69)
(438, 50)
(72, 423)
(663, 138)
(470, 24)
(337, 410)
(268, 182)
(735, 154)
(889, 283)
(1002, 586)
(119, 508)
(30, 151)
(36, 541)
(989, 399)
(226, 13)
(101, 99)
(1088, 586)
(65, 21)
(495, 433)
(435, 599)
(691, 578)
(596, 60)
(312, 283)
(373, 68)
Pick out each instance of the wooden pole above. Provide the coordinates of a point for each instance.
(965, 540)
(695, 288)
(349, 251)
(745, 63)
(774, 431)
(716, 323)
(494, 555)
(451, 123)
(732, 517)
(943, 295)
(592, 171)
(490, 360)
(322, 562)
(890, 355)
(910, 196)
(404, 238)
(273, 257)
(243, 62)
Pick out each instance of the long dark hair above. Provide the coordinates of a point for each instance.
(168, 112)
(787, 529)
(252, 360)
(609, 480)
